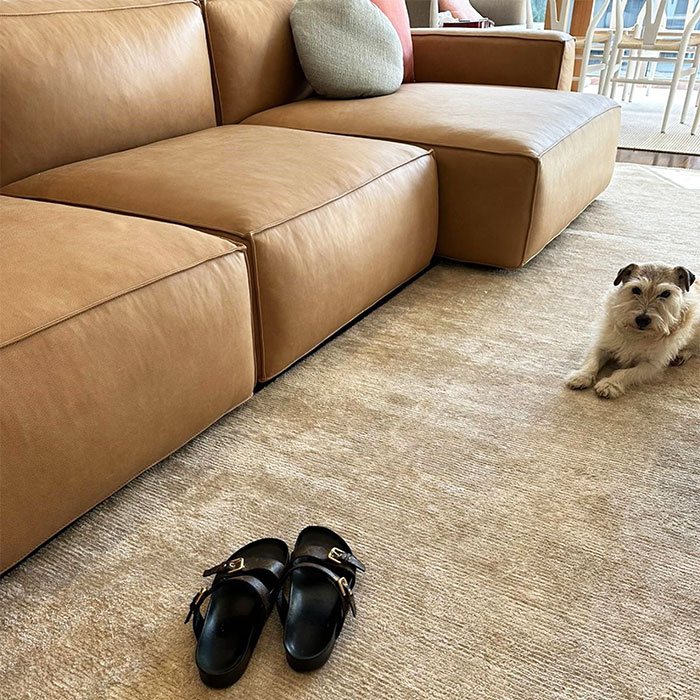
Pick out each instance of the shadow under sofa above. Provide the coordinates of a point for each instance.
(115, 188)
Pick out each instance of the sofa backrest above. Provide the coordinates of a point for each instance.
(254, 61)
(83, 78)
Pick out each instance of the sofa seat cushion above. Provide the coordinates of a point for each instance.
(515, 165)
(331, 223)
(120, 340)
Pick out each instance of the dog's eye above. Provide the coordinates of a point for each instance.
(665, 294)
(636, 290)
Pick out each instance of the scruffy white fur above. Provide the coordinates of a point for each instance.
(661, 296)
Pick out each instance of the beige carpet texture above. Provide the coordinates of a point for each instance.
(522, 541)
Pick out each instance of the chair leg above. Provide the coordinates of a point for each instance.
(615, 72)
(627, 89)
(603, 79)
(696, 121)
(678, 69)
(611, 72)
(654, 66)
(637, 70)
(585, 58)
(691, 86)
(626, 86)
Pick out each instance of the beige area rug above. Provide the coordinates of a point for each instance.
(523, 542)
(640, 126)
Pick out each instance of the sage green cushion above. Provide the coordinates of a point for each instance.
(347, 48)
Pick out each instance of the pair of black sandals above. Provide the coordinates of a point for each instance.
(313, 589)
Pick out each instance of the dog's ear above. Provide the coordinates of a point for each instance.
(684, 278)
(624, 273)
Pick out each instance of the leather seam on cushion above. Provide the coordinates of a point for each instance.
(256, 299)
(254, 286)
(102, 156)
(129, 480)
(579, 127)
(117, 295)
(546, 243)
(345, 324)
(254, 296)
(220, 233)
(538, 165)
(523, 259)
(258, 305)
(218, 102)
(77, 11)
(346, 193)
(420, 144)
(528, 156)
(193, 224)
(430, 146)
(250, 245)
(497, 37)
(561, 62)
(246, 245)
(533, 199)
(264, 374)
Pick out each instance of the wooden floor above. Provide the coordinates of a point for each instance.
(668, 160)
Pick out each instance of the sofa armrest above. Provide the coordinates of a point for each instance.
(523, 58)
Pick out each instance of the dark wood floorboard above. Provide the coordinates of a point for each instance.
(668, 160)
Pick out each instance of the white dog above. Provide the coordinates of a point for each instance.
(652, 321)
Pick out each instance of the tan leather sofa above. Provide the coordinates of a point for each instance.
(121, 339)
(176, 227)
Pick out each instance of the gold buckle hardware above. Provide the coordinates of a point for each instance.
(195, 603)
(335, 555)
(346, 592)
(235, 565)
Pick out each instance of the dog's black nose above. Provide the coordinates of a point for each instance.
(642, 321)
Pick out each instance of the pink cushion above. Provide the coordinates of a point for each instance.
(397, 13)
(460, 9)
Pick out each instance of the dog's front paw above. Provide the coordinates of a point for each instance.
(608, 389)
(681, 358)
(580, 380)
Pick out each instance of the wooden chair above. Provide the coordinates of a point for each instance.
(651, 46)
(596, 38)
(600, 38)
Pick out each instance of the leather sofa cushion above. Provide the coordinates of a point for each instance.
(331, 223)
(497, 149)
(490, 119)
(80, 78)
(501, 56)
(253, 56)
(90, 256)
(120, 340)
